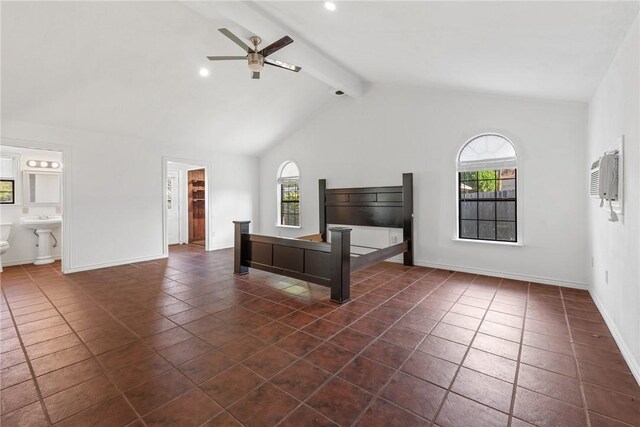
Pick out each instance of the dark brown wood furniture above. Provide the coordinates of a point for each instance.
(311, 258)
(197, 228)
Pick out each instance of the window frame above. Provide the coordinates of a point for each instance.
(279, 193)
(520, 191)
(17, 178)
(13, 191)
(493, 200)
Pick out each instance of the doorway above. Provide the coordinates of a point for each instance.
(196, 209)
(31, 201)
(186, 203)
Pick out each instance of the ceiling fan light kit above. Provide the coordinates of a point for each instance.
(257, 58)
(256, 62)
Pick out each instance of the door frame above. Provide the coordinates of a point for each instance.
(66, 204)
(206, 165)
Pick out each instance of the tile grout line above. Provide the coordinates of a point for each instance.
(515, 382)
(105, 372)
(216, 348)
(27, 359)
(455, 376)
(427, 335)
(296, 357)
(343, 327)
(198, 337)
(399, 369)
(575, 360)
(176, 367)
(154, 351)
(332, 375)
(95, 357)
(359, 353)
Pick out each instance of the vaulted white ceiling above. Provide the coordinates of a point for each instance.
(131, 68)
(544, 49)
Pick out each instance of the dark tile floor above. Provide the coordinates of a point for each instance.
(184, 342)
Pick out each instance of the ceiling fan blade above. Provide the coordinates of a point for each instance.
(255, 75)
(275, 46)
(225, 58)
(281, 64)
(235, 39)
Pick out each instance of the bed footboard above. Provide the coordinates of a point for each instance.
(311, 258)
(327, 264)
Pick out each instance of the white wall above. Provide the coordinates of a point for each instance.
(613, 111)
(116, 192)
(371, 140)
(23, 249)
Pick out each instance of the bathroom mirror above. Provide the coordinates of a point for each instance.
(41, 188)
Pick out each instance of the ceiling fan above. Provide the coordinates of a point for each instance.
(257, 58)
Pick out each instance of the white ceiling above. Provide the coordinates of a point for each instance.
(546, 49)
(131, 68)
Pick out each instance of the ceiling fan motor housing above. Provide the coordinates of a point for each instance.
(256, 58)
(256, 61)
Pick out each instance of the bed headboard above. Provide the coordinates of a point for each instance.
(370, 206)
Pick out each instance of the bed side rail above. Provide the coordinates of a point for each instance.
(363, 261)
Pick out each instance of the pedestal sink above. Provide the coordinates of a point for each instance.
(42, 227)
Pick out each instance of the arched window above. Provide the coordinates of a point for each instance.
(487, 189)
(289, 194)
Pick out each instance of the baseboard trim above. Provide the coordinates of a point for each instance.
(634, 365)
(25, 261)
(113, 263)
(217, 248)
(504, 275)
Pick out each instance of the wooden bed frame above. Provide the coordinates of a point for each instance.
(311, 258)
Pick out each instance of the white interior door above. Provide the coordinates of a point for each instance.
(173, 207)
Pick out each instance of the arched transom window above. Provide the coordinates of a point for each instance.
(487, 189)
(289, 194)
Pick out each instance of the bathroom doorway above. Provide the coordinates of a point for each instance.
(31, 201)
(186, 203)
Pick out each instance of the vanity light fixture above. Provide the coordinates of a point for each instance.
(329, 5)
(43, 164)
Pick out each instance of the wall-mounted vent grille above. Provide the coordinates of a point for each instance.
(594, 188)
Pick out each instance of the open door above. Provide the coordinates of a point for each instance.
(173, 207)
(196, 203)
(185, 203)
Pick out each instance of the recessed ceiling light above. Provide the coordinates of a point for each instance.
(204, 72)
(329, 5)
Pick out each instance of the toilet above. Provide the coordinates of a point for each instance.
(5, 232)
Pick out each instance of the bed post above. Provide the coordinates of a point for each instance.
(242, 227)
(322, 217)
(407, 216)
(340, 264)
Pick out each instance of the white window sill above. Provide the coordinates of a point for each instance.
(488, 242)
(288, 226)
